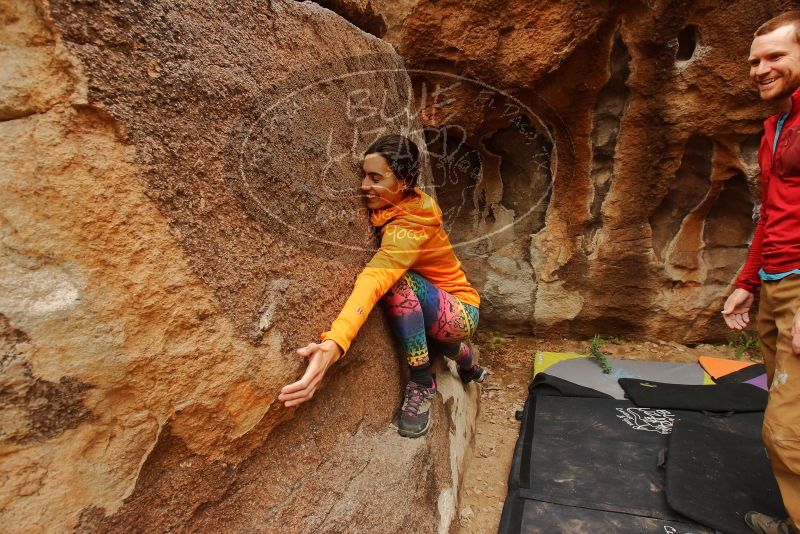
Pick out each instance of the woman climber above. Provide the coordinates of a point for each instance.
(431, 305)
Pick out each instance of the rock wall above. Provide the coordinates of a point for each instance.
(177, 215)
(601, 155)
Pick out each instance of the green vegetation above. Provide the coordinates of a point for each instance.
(595, 353)
(491, 339)
(744, 343)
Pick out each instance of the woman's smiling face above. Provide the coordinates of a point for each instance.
(380, 186)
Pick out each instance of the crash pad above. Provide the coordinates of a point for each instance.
(715, 476)
(719, 367)
(593, 460)
(585, 372)
(730, 397)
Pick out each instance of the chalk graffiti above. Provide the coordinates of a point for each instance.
(647, 419)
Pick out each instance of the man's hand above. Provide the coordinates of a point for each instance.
(735, 311)
(796, 333)
(320, 357)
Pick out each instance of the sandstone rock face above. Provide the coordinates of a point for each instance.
(600, 155)
(365, 14)
(177, 215)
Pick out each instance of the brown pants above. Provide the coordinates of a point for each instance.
(780, 301)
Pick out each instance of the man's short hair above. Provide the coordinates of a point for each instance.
(784, 19)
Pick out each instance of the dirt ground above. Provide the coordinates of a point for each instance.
(510, 358)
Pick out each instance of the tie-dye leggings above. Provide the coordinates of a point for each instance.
(426, 317)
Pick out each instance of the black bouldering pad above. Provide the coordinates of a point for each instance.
(715, 476)
(730, 397)
(590, 459)
(529, 516)
(596, 461)
(545, 384)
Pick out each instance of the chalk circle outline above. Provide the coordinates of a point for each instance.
(528, 112)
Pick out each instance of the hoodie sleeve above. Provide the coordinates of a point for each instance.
(401, 245)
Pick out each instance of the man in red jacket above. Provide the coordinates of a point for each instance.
(774, 260)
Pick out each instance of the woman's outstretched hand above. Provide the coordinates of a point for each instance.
(320, 357)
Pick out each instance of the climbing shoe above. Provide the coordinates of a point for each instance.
(476, 373)
(414, 420)
(764, 524)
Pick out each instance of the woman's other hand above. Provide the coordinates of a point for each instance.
(320, 357)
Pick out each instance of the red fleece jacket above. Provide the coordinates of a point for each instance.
(776, 243)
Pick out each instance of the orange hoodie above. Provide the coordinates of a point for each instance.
(412, 238)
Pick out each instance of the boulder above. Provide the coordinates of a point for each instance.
(601, 154)
(179, 212)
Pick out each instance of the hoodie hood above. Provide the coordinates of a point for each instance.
(417, 208)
